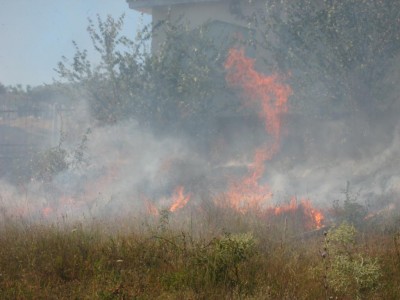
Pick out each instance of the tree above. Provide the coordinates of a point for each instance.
(181, 87)
(337, 51)
(100, 84)
(3, 89)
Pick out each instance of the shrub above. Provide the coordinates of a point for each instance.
(225, 256)
(349, 272)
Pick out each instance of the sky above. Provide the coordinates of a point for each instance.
(35, 34)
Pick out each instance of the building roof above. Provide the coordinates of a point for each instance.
(144, 5)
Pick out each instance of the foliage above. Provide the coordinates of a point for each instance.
(164, 220)
(100, 83)
(226, 255)
(350, 211)
(3, 89)
(26, 102)
(337, 51)
(52, 161)
(176, 85)
(49, 163)
(29, 118)
(132, 259)
(349, 272)
(187, 77)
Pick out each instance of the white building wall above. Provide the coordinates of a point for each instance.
(196, 14)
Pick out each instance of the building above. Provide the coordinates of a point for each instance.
(219, 13)
(223, 20)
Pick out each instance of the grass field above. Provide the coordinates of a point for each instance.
(216, 254)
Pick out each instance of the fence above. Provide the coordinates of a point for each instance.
(24, 132)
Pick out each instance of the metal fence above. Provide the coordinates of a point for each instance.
(24, 132)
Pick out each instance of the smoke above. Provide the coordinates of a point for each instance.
(126, 164)
(122, 164)
(333, 157)
(127, 168)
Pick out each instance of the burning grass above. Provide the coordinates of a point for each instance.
(191, 241)
(213, 254)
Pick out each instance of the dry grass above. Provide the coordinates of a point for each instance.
(229, 257)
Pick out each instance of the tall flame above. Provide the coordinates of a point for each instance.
(269, 96)
(268, 93)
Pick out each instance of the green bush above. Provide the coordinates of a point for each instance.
(349, 271)
(225, 256)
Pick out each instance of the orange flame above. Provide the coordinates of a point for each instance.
(270, 97)
(316, 217)
(151, 208)
(267, 92)
(179, 199)
(47, 211)
(248, 194)
(285, 208)
(312, 217)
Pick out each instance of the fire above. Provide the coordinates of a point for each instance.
(269, 96)
(316, 216)
(248, 194)
(151, 208)
(47, 211)
(290, 207)
(268, 93)
(311, 217)
(179, 199)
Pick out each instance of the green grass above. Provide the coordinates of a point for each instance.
(231, 256)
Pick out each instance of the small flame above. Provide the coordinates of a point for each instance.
(285, 208)
(316, 216)
(312, 217)
(248, 194)
(151, 208)
(179, 199)
(47, 211)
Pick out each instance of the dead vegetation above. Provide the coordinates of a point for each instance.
(170, 256)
